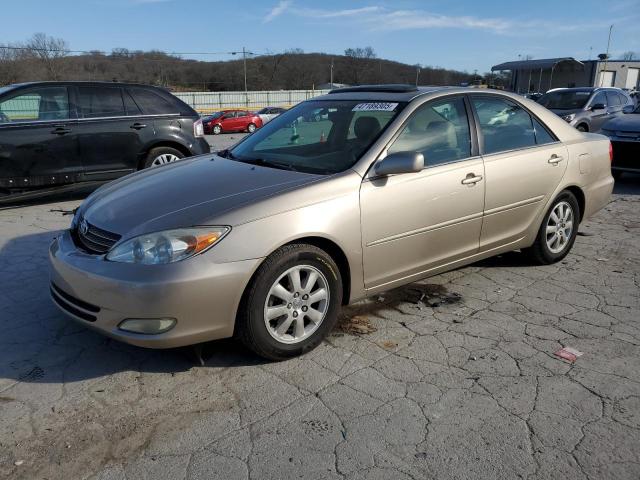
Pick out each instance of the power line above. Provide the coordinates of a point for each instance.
(115, 52)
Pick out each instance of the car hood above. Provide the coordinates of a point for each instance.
(562, 113)
(629, 122)
(187, 193)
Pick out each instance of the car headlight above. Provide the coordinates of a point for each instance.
(168, 246)
(569, 117)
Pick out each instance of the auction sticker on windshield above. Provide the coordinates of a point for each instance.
(375, 107)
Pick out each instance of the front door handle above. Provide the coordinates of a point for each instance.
(471, 179)
(138, 126)
(60, 130)
(555, 159)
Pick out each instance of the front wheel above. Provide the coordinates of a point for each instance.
(558, 230)
(291, 304)
(217, 130)
(251, 128)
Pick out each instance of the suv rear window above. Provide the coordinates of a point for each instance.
(151, 103)
(100, 102)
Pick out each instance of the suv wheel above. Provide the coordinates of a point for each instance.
(217, 130)
(251, 128)
(582, 128)
(558, 230)
(162, 155)
(291, 304)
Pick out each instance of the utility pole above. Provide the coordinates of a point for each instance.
(417, 75)
(244, 59)
(331, 80)
(607, 57)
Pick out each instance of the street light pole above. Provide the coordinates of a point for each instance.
(417, 75)
(331, 80)
(606, 58)
(244, 59)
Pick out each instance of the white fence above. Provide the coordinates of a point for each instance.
(205, 102)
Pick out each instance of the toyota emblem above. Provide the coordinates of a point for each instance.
(84, 227)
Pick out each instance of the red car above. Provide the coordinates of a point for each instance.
(231, 121)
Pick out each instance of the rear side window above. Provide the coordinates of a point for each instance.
(504, 125)
(613, 99)
(151, 103)
(46, 103)
(542, 134)
(100, 102)
(130, 106)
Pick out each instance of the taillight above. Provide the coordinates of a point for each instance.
(198, 129)
(611, 152)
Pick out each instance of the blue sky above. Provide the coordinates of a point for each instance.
(453, 34)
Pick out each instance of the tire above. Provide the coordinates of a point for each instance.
(582, 128)
(162, 155)
(541, 252)
(251, 326)
(216, 130)
(251, 127)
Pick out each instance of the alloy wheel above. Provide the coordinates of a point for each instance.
(296, 304)
(559, 227)
(164, 159)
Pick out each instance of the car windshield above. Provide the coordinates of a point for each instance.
(262, 110)
(323, 137)
(565, 99)
(214, 115)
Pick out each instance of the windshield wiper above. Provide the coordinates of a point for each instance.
(226, 153)
(265, 163)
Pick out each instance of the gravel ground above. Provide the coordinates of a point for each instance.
(451, 378)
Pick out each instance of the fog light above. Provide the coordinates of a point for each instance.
(147, 326)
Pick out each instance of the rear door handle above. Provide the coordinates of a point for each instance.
(555, 159)
(60, 130)
(471, 179)
(138, 126)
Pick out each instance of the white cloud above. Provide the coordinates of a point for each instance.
(278, 10)
(381, 18)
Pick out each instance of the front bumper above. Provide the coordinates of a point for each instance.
(202, 296)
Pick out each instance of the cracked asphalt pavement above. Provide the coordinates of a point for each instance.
(450, 378)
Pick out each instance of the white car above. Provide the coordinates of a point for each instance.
(269, 113)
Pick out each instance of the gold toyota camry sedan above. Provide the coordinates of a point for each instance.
(343, 196)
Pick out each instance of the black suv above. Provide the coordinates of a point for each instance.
(57, 134)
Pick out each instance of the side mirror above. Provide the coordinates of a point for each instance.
(628, 109)
(598, 106)
(400, 162)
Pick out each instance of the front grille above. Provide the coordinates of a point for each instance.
(74, 306)
(94, 239)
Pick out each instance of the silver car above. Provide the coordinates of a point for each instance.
(266, 241)
(587, 109)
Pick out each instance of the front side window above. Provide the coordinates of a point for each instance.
(599, 99)
(439, 130)
(565, 99)
(46, 103)
(504, 125)
(318, 136)
(95, 102)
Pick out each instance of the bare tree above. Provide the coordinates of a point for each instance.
(49, 51)
(629, 55)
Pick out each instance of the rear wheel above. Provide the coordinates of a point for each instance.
(291, 304)
(161, 156)
(582, 128)
(251, 128)
(217, 129)
(558, 230)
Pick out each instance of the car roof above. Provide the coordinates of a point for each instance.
(83, 82)
(391, 93)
